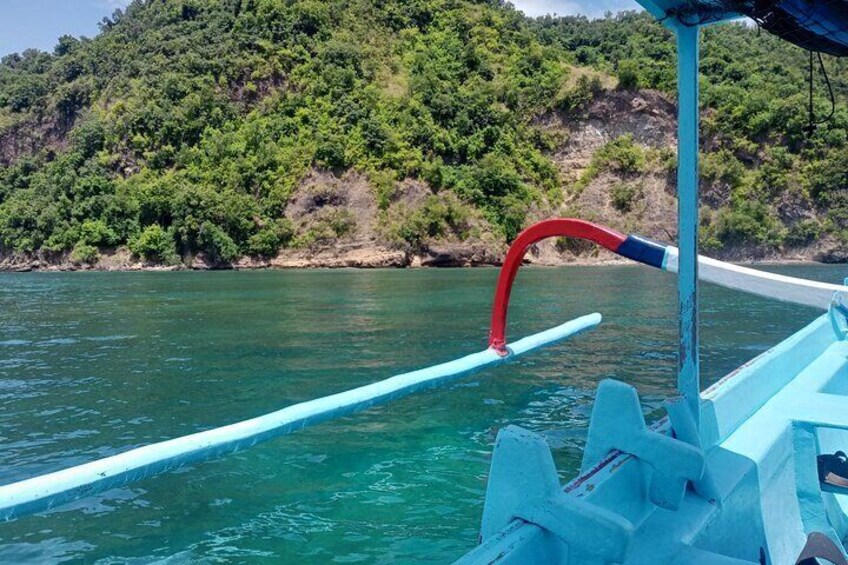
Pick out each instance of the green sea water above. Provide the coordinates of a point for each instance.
(92, 364)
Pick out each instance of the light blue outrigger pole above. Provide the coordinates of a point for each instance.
(44, 492)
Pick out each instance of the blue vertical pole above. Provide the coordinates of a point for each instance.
(688, 378)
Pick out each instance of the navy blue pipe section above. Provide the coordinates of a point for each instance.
(642, 250)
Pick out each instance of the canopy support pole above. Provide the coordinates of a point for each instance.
(688, 379)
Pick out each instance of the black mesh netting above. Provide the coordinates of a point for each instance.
(817, 25)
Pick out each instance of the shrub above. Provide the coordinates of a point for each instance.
(88, 137)
(573, 245)
(155, 244)
(384, 185)
(628, 74)
(330, 153)
(219, 246)
(803, 232)
(723, 166)
(707, 234)
(666, 157)
(511, 215)
(494, 176)
(84, 254)
(622, 155)
(574, 98)
(749, 222)
(622, 196)
(436, 218)
(328, 226)
(341, 222)
(774, 174)
(734, 226)
(268, 240)
(829, 176)
(96, 232)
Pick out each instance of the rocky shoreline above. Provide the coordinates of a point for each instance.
(364, 258)
(449, 255)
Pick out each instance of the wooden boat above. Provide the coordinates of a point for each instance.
(746, 471)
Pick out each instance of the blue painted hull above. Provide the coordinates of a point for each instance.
(758, 499)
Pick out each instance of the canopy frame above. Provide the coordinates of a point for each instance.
(688, 360)
(685, 20)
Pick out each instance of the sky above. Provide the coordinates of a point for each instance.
(39, 23)
(591, 8)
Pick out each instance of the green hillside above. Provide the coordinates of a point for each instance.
(188, 126)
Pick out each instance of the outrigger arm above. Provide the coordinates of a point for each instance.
(666, 257)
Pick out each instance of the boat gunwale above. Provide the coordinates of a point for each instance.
(578, 485)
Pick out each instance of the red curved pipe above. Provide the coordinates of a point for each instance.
(559, 227)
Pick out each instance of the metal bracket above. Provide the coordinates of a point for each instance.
(618, 424)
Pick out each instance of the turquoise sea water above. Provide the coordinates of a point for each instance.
(92, 364)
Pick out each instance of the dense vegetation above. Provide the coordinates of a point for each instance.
(186, 125)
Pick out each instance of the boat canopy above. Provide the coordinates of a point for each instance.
(815, 25)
